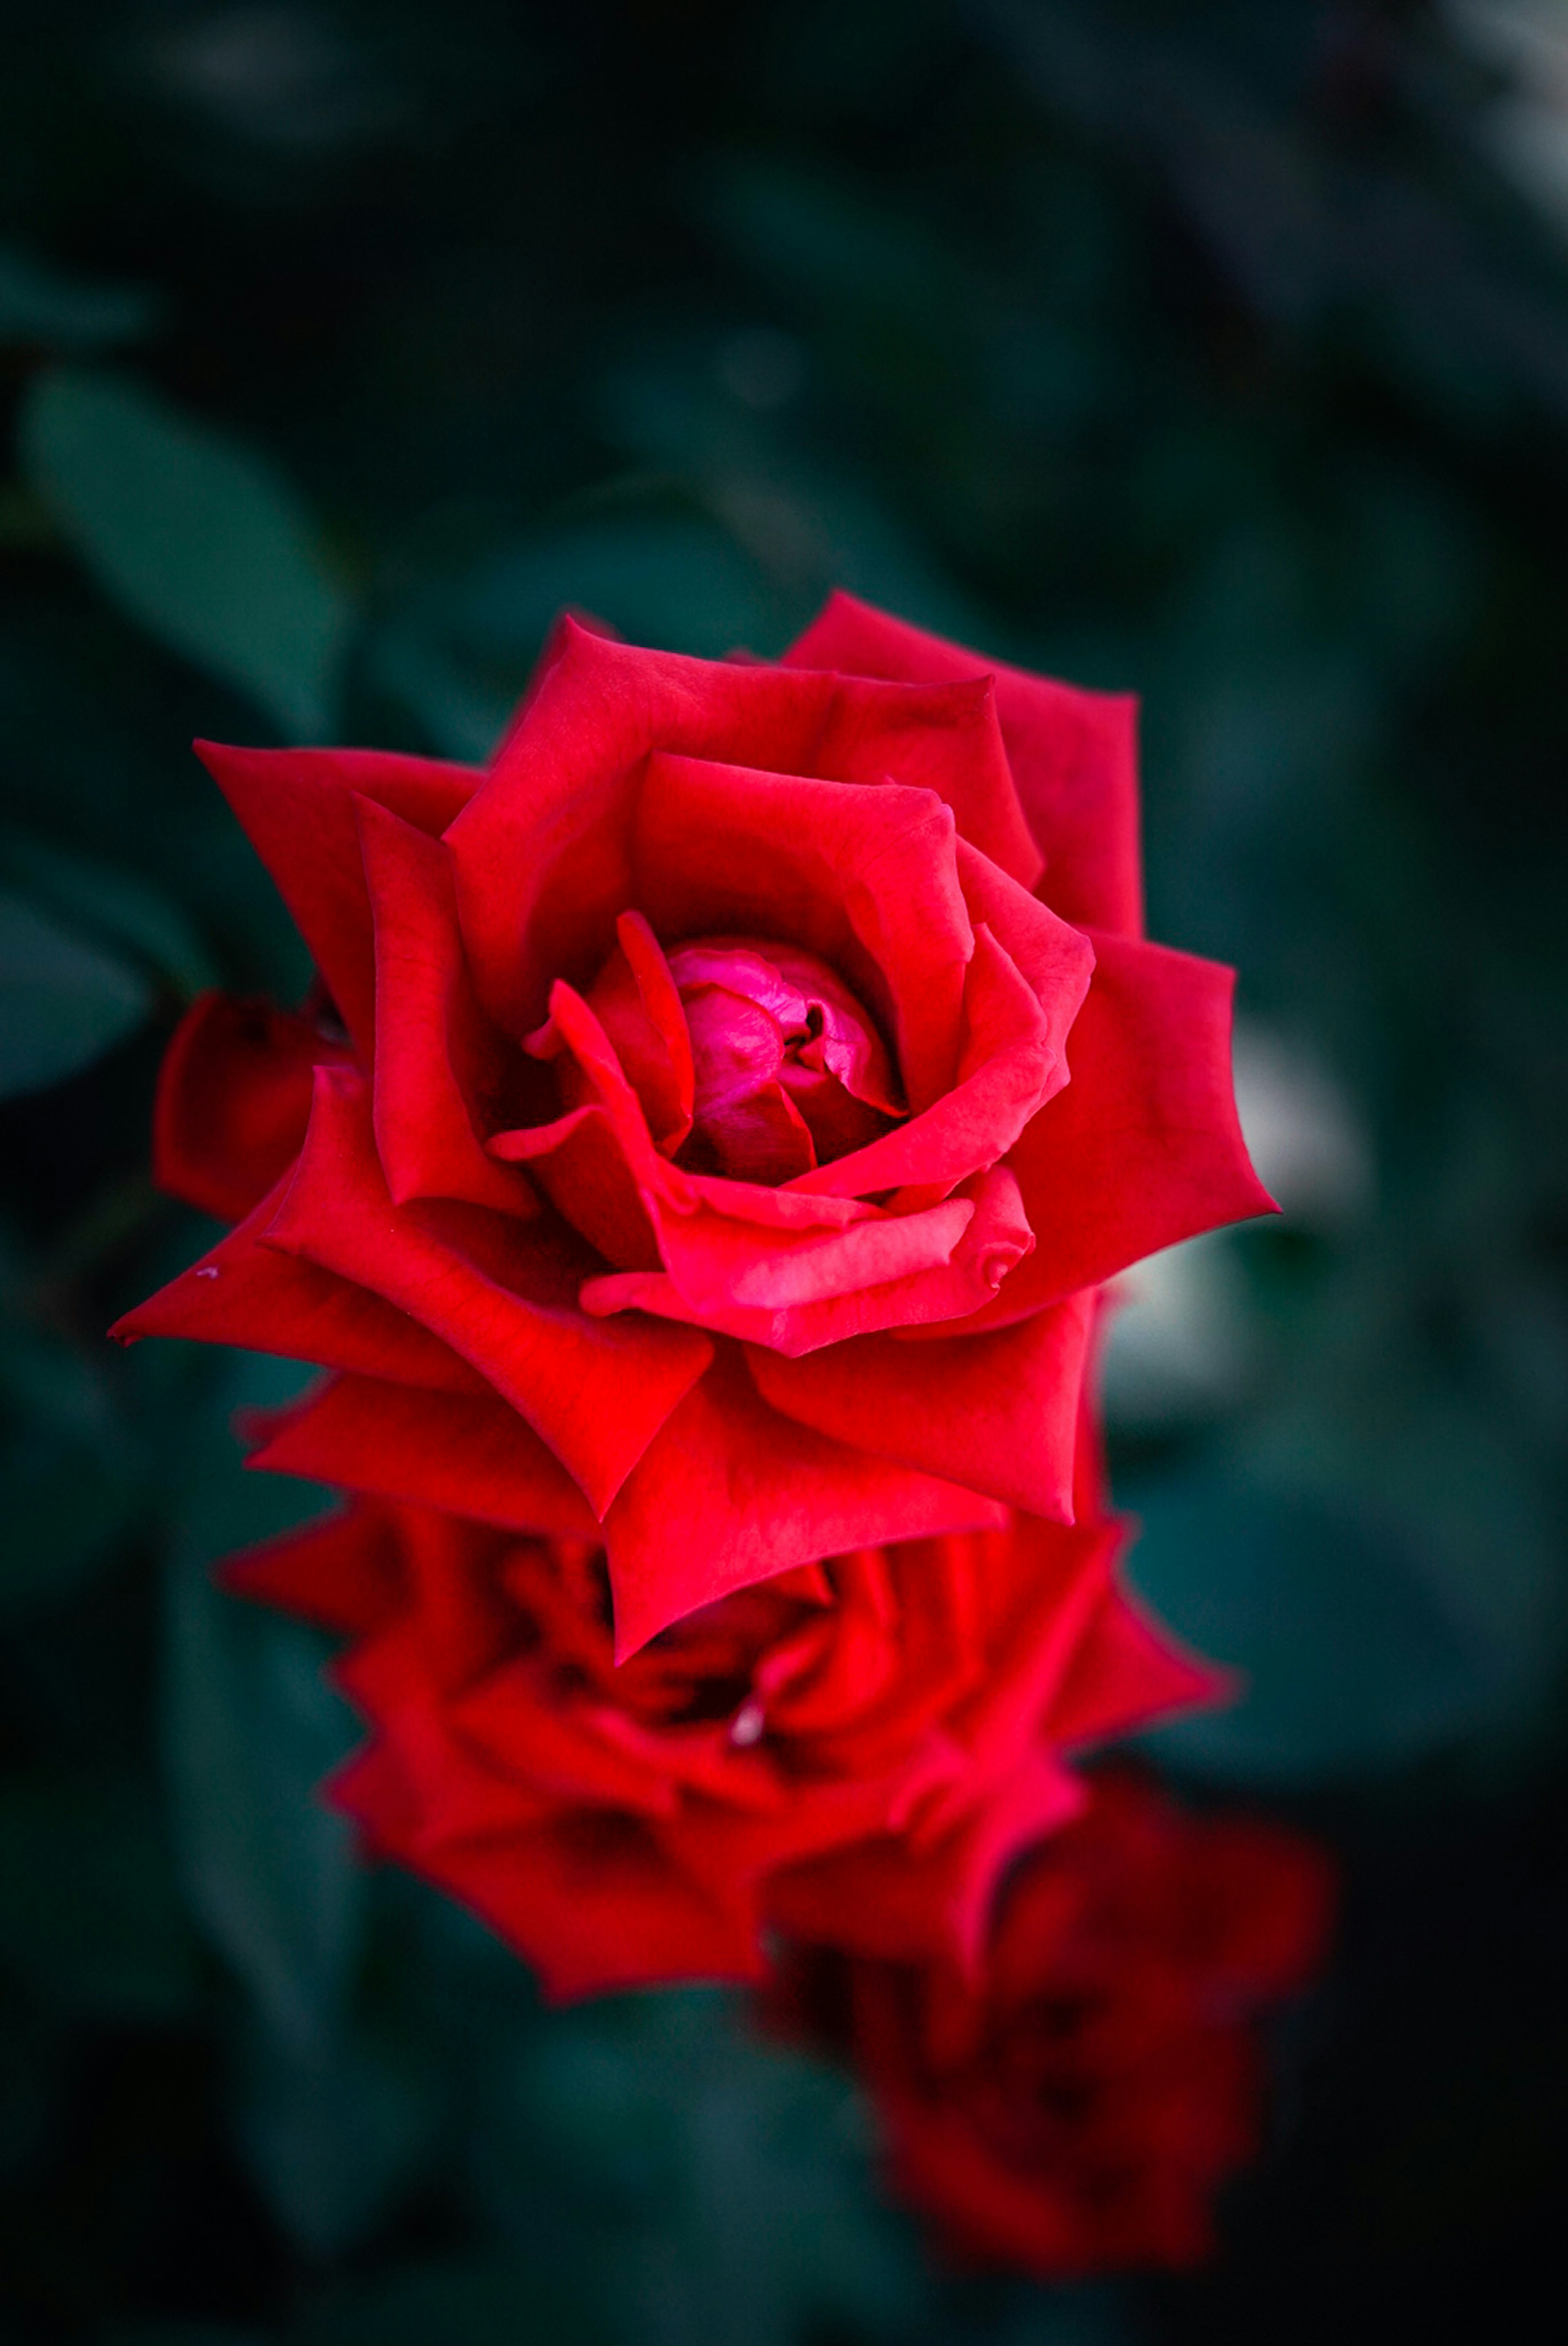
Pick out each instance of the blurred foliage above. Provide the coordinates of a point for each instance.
(1216, 351)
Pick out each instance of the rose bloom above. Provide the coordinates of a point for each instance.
(767, 1759)
(714, 1120)
(1072, 2106)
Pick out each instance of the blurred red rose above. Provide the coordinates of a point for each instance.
(689, 1149)
(621, 1825)
(1073, 2106)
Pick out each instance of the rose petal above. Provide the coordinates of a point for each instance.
(296, 807)
(796, 1294)
(729, 1493)
(745, 1123)
(437, 1056)
(1074, 754)
(865, 878)
(875, 1900)
(491, 1289)
(233, 1100)
(946, 738)
(1144, 1146)
(597, 1163)
(418, 1790)
(243, 1292)
(999, 1413)
(552, 1751)
(578, 1162)
(598, 1904)
(341, 1574)
(772, 1209)
(1012, 1062)
(637, 1003)
(541, 855)
(592, 1071)
(468, 1453)
(1130, 1671)
(1034, 1653)
(795, 986)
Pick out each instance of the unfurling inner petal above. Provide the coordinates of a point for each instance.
(786, 1069)
(735, 1056)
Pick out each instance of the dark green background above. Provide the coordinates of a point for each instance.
(1208, 351)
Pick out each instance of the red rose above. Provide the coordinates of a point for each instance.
(697, 1156)
(625, 1824)
(1073, 2107)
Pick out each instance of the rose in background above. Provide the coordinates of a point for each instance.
(1074, 2106)
(775, 1758)
(716, 1120)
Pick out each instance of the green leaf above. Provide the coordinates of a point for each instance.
(659, 578)
(183, 2333)
(194, 1395)
(89, 1910)
(717, 2185)
(1350, 1660)
(330, 2132)
(460, 717)
(42, 306)
(32, 2055)
(66, 1507)
(115, 903)
(63, 1001)
(250, 1728)
(483, 2302)
(196, 537)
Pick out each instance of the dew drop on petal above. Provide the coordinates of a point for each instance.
(746, 1727)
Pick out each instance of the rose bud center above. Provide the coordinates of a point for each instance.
(787, 1069)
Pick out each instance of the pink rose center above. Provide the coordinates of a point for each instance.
(788, 1071)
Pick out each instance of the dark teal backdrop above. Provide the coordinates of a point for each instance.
(1216, 351)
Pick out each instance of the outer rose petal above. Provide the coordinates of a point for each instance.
(472, 1456)
(597, 1392)
(1035, 1799)
(434, 1793)
(948, 739)
(541, 855)
(437, 1055)
(296, 807)
(729, 1493)
(1074, 754)
(1001, 2216)
(1064, 1582)
(999, 1414)
(594, 1903)
(339, 1574)
(232, 1104)
(243, 1292)
(876, 1899)
(1144, 1146)
(1130, 1671)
